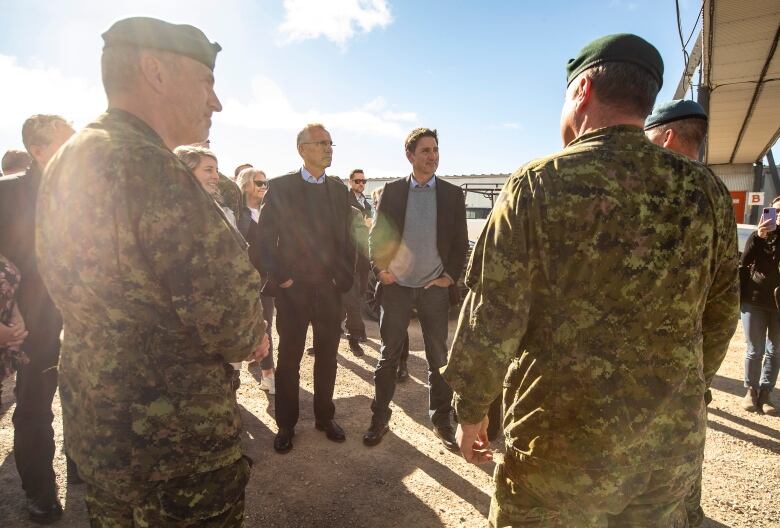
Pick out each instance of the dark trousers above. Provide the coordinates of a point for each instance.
(296, 307)
(433, 307)
(36, 383)
(353, 303)
(268, 314)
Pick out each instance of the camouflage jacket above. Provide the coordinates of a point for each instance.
(603, 296)
(157, 294)
(230, 195)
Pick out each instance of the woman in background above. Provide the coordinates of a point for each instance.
(759, 273)
(253, 184)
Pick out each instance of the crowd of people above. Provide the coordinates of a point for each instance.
(602, 295)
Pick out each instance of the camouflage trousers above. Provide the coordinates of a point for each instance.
(209, 500)
(530, 495)
(693, 503)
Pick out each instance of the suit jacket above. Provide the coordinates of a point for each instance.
(353, 201)
(451, 231)
(281, 229)
(18, 195)
(360, 233)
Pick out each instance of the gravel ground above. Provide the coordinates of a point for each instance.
(409, 479)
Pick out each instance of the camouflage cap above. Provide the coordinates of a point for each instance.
(146, 32)
(621, 47)
(675, 111)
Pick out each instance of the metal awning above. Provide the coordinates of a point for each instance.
(741, 67)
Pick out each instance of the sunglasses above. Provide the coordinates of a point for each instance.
(261, 183)
(359, 182)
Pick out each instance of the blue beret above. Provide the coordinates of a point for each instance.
(146, 32)
(675, 111)
(621, 47)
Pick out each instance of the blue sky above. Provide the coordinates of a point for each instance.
(489, 75)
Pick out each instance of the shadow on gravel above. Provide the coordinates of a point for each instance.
(757, 441)
(326, 484)
(711, 523)
(763, 429)
(11, 494)
(730, 385)
(410, 395)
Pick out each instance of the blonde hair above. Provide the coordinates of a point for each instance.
(245, 175)
(192, 155)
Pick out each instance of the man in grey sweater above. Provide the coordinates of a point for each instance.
(418, 245)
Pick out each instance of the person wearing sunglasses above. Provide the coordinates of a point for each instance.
(356, 329)
(253, 184)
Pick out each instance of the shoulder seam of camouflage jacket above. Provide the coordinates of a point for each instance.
(157, 295)
(605, 279)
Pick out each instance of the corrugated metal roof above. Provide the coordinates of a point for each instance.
(742, 68)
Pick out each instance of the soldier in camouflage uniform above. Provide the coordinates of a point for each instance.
(602, 299)
(156, 290)
(681, 127)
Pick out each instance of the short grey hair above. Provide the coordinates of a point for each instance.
(690, 132)
(246, 175)
(304, 133)
(192, 155)
(120, 66)
(38, 129)
(624, 86)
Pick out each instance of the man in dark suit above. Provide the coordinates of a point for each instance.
(356, 329)
(36, 381)
(418, 245)
(307, 250)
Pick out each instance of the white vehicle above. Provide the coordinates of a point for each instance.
(743, 232)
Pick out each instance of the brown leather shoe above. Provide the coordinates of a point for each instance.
(375, 432)
(765, 404)
(750, 401)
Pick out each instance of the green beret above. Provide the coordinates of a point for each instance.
(146, 32)
(674, 111)
(622, 47)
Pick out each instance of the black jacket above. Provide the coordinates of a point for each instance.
(759, 270)
(353, 201)
(18, 195)
(360, 234)
(283, 226)
(451, 231)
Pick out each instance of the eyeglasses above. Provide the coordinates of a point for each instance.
(360, 182)
(261, 183)
(322, 144)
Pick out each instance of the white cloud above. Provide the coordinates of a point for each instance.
(260, 129)
(336, 20)
(43, 90)
(270, 109)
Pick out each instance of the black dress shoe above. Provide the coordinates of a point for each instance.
(403, 372)
(44, 512)
(375, 433)
(332, 430)
(446, 433)
(283, 440)
(355, 347)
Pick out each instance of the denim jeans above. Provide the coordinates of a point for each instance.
(433, 307)
(762, 357)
